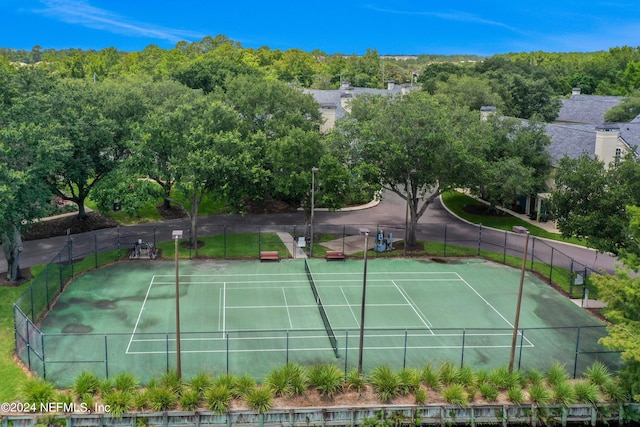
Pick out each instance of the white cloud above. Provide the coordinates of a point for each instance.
(82, 13)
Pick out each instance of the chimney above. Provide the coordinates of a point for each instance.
(328, 112)
(345, 101)
(575, 91)
(486, 111)
(391, 85)
(608, 144)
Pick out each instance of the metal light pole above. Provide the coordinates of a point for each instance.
(177, 234)
(364, 231)
(515, 325)
(314, 171)
(406, 214)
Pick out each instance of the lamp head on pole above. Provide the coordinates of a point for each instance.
(176, 234)
(364, 231)
(314, 170)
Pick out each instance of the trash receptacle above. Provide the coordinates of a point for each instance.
(116, 205)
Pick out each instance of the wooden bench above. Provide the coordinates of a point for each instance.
(269, 256)
(335, 255)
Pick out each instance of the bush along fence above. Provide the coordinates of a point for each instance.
(504, 415)
(91, 250)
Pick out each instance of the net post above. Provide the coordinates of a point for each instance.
(227, 342)
(346, 353)
(521, 345)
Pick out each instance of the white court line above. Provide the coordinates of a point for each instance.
(349, 305)
(424, 320)
(140, 313)
(224, 308)
(284, 294)
(492, 307)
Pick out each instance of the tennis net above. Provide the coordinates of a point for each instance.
(323, 313)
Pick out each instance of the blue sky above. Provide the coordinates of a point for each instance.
(352, 26)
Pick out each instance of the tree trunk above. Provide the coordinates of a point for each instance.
(12, 245)
(194, 226)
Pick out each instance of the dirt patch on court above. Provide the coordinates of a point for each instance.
(104, 304)
(77, 328)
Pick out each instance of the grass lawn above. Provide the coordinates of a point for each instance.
(456, 201)
(10, 373)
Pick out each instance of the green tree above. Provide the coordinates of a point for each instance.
(590, 201)
(96, 119)
(626, 111)
(515, 160)
(27, 156)
(413, 146)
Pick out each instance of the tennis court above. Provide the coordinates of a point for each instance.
(249, 317)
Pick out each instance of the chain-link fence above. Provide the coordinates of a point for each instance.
(92, 250)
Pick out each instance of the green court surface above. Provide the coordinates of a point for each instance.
(250, 317)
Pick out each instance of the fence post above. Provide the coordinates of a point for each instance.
(504, 252)
(444, 250)
(479, 238)
(404, 359)
(286, 357)
(44, 365)
(346, 352)
(227, 334)
(154, 236)
(106, 357)
(533, 248)
(166, 346)
(224, 232)
(575, 362)
(60, 269)
(71, 254)
(118, 240)
(95, 248)
(464, 335)
(521, 344)
(28, 346)
(259, 240)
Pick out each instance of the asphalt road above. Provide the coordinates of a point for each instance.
(435, 225)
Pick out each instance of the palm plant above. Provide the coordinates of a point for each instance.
(327, 379)
(455, 394)
(557, 374)
(385, 383)
(218, 399)
(260, 399)
(355, 381)
(86, 382)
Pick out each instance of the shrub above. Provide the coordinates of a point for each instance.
(539, 394)
(598, 374)
(171, 381)
(448, 373)
(586, 392)
(37, 391)
(279, 383)
(119, 402)
(535, 377)
(557, 374)
(140, 400)
(201, 382)
(430, 377)
(125, 381)
(409, 379)
(190, 400)
(106, 386)
(162, 398)
(385, 383)
(455, 394)
(230, 382)
(563, 393)
(87, 399)
(503, 379)
(260, 399)
(86, 382)
(327, 379)
(467, 377)
(489, 392)
(355, 381)
(245, 384)
(613, 391)
(297, 377)
(482, 376)
(515, 395)
(218, 399)
(420, 396)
